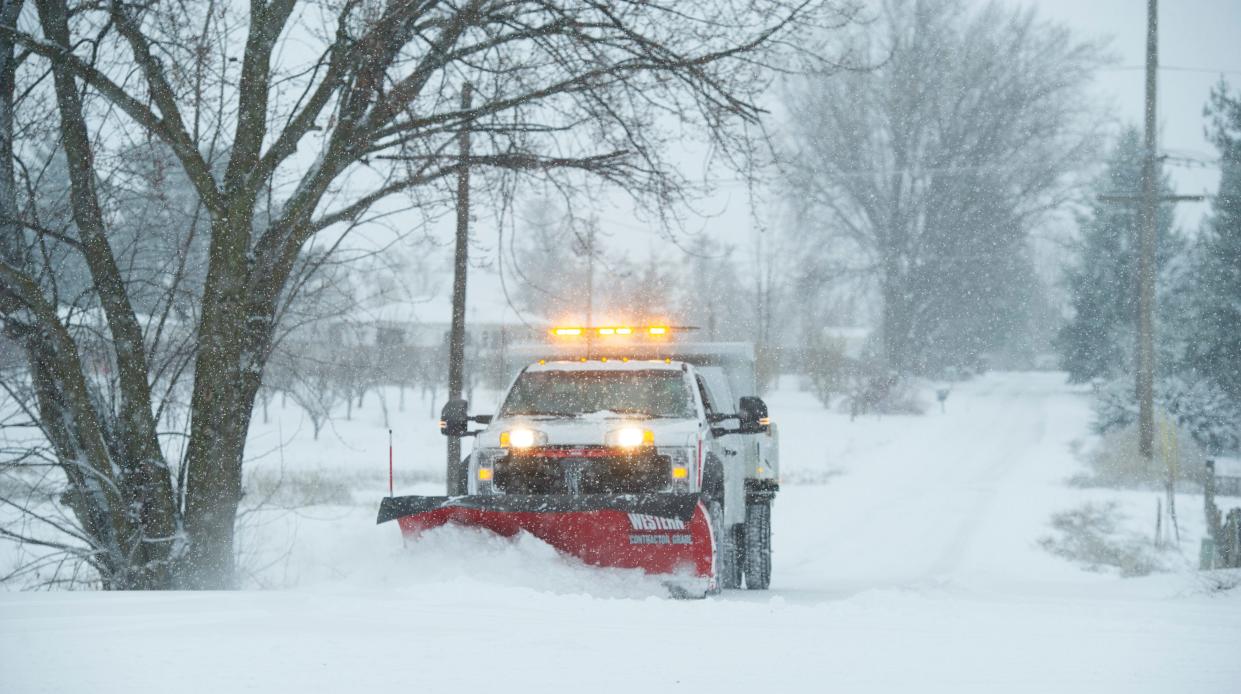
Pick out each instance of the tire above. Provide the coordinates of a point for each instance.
(757, 545)
(739, 552)
(728, 571)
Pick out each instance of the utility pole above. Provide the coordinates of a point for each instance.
(590, 275)
(1146, 270)
(1149, 199)
(588, 244)
(454, 473)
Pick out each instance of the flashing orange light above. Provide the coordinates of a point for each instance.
(484, 474)
(678, 473)
(578, 331)
(603, 358)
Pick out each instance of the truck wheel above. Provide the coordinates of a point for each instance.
(727, 568)
(739, 552)
(758, 545)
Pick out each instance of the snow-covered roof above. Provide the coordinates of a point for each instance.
(1228, 467)
(846, 332)
(851, 338)
(438, 311)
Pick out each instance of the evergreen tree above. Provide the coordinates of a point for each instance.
(1214, 352)
(1199, 330)
(1098, 340)
(1202, 387)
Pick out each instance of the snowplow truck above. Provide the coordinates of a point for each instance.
(631, 453)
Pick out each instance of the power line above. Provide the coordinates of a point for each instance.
(1191, 162)
(1176, 68)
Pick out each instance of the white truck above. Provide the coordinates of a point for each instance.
(643, 453)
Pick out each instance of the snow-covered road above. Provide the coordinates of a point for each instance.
(906, 561)
(944, 497)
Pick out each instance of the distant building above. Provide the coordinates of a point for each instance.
(1228, 476)
(852, 341)
(407, 344)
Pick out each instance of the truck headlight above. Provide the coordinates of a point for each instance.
(629, 437)
(522, 438)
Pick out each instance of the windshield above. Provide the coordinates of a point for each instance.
(655, 393)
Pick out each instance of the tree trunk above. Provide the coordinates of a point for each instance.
(235, 324)
(896, 319)
(221, 412)
(213, 481)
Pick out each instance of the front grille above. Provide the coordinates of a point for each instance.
(594, 470)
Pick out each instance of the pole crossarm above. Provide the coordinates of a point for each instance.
(1162, 198)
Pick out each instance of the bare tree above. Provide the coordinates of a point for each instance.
(548, 263)
(279, 151)
(316, 387)
(933, 168)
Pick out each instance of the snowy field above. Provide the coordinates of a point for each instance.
(907, 559)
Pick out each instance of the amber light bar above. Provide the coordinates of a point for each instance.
(613, 330)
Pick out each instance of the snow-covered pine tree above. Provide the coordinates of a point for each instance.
(1214, 351)
(1098, 340)
(1211, 362)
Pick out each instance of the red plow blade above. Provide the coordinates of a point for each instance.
(662, 534)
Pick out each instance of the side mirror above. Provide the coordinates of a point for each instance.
(455, 418)
(753, 415)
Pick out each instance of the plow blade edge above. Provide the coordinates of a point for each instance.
(658, 533)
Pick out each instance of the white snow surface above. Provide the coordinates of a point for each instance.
(906, 560)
